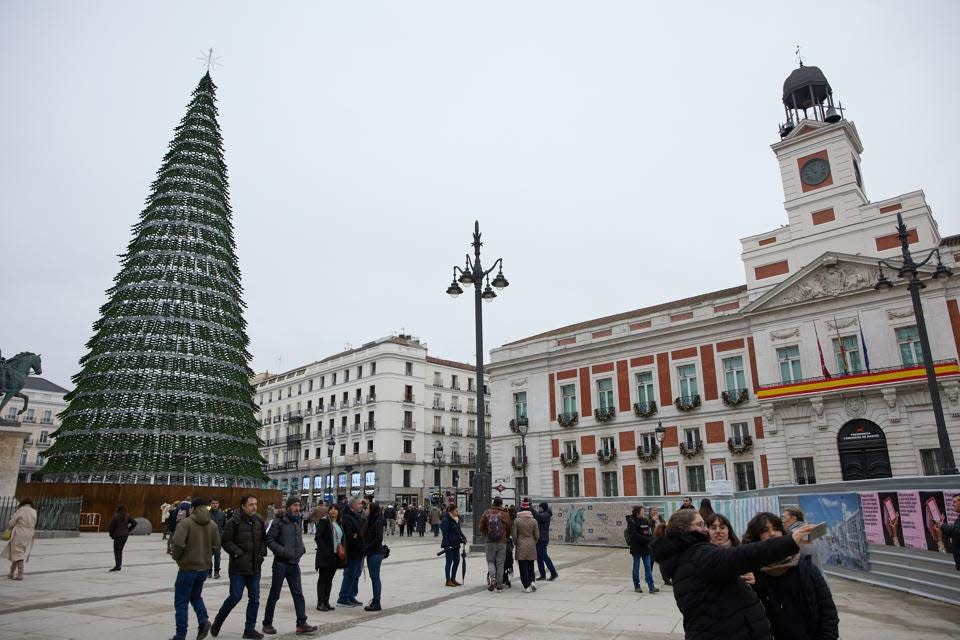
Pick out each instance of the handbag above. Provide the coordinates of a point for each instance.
(386, 551)
(341, 556)
(7, 533)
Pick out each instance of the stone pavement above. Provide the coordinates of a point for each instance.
(68, 593)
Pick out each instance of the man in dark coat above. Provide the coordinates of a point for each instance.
(640, 535)
(285, 540)
(544, 516)
(352, 524)
(219, 519)
(411, 517)
(245, 542)
(950, 533)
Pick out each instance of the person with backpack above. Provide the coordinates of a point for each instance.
(176, 516)
(638, 536)
(495, 527)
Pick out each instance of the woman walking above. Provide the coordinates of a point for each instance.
(450, 543)
(328, 537)
(793, 591)
(373, 549)
(422, 516)
(526, 533)
(411, 516)
(119, 529)
(715, 602)
(22, 527)
(402, 519)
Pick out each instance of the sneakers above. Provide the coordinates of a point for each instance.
(499, 588)
(346, 603)
(553, 577)
(114, 569)
(203, 630)
(373, 606)
(637, 590)
(654, 590)
(356, 602)
(268, 629)
(216, 576)
(303, 629)
(533, 586)
(215, 627)
(253, 634)
(491, 584)
(527, 590)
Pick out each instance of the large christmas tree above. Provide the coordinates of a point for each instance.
(164, 396)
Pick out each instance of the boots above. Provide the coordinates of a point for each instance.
(373, 606)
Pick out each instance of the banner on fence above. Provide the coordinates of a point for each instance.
(845, 544)
(907, 518)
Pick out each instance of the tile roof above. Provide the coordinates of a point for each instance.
(451, 363)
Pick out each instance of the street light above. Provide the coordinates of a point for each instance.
(331, 443)
(909, 271)
(659, 434)
(473, 273)
(523, 426)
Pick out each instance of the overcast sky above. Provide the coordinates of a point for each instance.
(614, 152)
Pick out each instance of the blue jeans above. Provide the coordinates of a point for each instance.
(373, 565)
(453, 563)
(188, 589)
(350, 585)
(291, 573)
(544, 559)
(647, 570)
(237, 585)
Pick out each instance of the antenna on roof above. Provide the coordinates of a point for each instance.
(799, 57)
(210, 60)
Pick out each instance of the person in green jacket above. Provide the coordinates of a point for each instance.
(194, 543)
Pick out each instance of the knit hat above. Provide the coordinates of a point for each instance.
(544, 506)
(525, 503)
(200, 502)
(293, 500)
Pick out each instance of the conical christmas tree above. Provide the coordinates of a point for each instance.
(163, 396)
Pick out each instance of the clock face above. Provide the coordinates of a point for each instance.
(815, 171)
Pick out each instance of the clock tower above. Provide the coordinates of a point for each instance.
(824, 196)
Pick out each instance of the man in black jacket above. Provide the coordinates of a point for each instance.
(640, 535)
(244, 540)
(544, 516)
(352, 524)
(285, 540)
(219, 519)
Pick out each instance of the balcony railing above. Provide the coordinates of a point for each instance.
(456, 408)
(856, 380)
(738, 445)
(456, 432)
(294, 416)
(276, 419)
(604, 414)
(516, 423)
(456, 458)
(355, 427)
(332, 407)
(518, 463)
(645, 409)
(568, 419)
(408, 425)
(357, 402)
(441, 430)
(371, 399)
(369, 426)
(605, 456)
(409, 398)
(648, 453)
(571, 460)
(294, 439)
(438, 405)
(691, 449)
(687, 403)
(734, 397)
(438, 383)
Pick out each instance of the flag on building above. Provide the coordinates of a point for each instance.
(863, 344)
(823, 364)
(841, 348)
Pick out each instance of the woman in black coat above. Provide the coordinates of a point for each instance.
(329, 534)
(421, 521)
(715, 602)
(374, 550)
(793, 591)
(119, 529)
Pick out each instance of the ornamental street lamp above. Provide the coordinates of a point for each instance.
(473, 273)
(523, 426)
(909, 271)
(659, 434)
(331, 443)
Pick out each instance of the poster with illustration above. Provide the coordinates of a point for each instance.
(933, 512)
(589, 523)
(907, 518)
(911, 520)
(845, 544)
(891, 522)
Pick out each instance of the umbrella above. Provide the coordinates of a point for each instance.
(463, 563)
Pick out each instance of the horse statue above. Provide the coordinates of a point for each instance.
(574, 529)
(13, 375)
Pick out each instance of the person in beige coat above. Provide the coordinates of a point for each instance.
(22, 527)
(526, 534)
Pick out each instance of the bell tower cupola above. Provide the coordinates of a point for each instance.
(807, 96)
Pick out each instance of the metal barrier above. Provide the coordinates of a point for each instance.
(90, 521)
(53, 514)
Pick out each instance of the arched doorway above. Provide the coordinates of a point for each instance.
(863, 451)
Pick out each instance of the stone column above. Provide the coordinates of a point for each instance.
(12, 438)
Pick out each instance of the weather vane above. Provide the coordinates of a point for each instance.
(796, 53)
(210, 60)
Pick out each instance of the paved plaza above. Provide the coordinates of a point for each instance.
(68, 593)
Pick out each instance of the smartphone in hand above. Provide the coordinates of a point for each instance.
(819, 530)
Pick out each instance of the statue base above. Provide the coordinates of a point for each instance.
(12, 438)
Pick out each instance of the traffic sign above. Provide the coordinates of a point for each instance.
(500, 488)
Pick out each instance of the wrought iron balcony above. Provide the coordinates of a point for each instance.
(691, 450)
(355, 427)
(516, 423)
(885, 376)
(408, 425)
(645, 409)
(371, 398)
(570, 461)
(357, 402)
(605, 414)
(291, 464)
(734, 397)
(276, 419)
(409, 398)
(294, 440)
(456, 408)
(332, 407)
(369, 426)
(648, 454)
(438, 405)
(740, 445)
(456, 432)
(687, 403)
(456, 458)
(568, 419)
(605, 456)
(518, 464)
(294, 416)
(441, 430)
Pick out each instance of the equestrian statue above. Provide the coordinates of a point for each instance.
(13, 375)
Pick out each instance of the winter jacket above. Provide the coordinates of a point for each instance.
(951, 536)
(285, 539)
(640, 534)
(543, 520)
(219, 518)
(715, 602)
(422, 521)
(452, 533)
(799, 603)
(504, 516)
(390, 513)
(245, 541)
(352, 533)
(195, 541)
(411, 517)
(121, 526)
(434, 516)
(526, 533)
(373, 535)
(326, 556)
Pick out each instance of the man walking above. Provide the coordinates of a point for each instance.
(544, 516)
(245, 542)
(285, 540)
(220, 520)
(390, 513)
(352, 524)
(495, 526)
(194, 542)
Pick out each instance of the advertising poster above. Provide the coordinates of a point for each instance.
(907, 518)
(845, 544)
(911, 520)
(872, 522)
(933, 511)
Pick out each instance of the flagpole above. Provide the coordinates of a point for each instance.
(863, 344)
(843, 351)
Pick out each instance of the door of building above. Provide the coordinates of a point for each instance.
(862, 446)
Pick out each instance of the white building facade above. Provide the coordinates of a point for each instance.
(735, 376)
(40, 419)
(401, 425)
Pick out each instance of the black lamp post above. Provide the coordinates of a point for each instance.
(909, 271)
(659, 434)
(331, 443)
(523, 426)
(473, 273)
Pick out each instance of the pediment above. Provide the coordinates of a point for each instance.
(805, 127)
(829, 276)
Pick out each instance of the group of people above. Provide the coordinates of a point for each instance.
(517, 534)
(413, 518)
